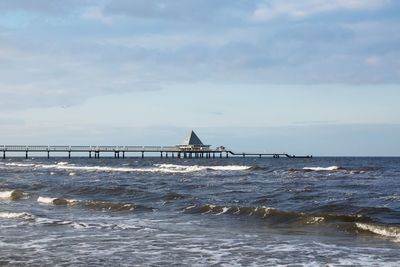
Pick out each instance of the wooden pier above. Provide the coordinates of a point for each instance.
(138, 151)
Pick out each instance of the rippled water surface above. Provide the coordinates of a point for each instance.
(200, 212)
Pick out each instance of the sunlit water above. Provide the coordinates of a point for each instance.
(200, 212)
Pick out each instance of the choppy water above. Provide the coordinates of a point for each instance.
(200, 212)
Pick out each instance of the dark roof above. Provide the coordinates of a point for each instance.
(192, 139)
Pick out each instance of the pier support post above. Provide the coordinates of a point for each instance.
(69, 154)
(213, 155)
(48, 154)
(227, 155)
(244, 155)
(90, 154)
(173, 155)
(220, 155)
(161, 154)
(123, 154)
(166, 154)
(142, 154)
(26, 154)
(179, 155)
(260, 156)
(4, 154)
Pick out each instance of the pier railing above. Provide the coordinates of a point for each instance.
(164, 151)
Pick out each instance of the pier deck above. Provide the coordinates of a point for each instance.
(164, 151)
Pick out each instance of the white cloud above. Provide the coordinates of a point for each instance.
(300, 9)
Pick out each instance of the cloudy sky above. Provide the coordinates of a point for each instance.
(299, 76)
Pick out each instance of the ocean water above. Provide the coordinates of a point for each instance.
(200, 212)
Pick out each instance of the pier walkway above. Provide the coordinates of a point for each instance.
(138, 151)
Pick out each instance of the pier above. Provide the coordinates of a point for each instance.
(138, 151)
(192, 147)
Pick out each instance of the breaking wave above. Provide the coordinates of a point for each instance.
(163, 168)
(12, 194)
(330, 168)
(25, 216)
(16, 215)
(382, 230)
(275, 215)
(92, 204)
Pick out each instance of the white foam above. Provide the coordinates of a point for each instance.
(6, 194)
(330, 168)
(224, 210)
(315, 220)
(12, 194)
(20, 164)
(52, 200)
(46, 200)
(387, 231)
(164, 168)
(16, 215)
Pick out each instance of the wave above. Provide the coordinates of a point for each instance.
(163, 168)
(330, 168)
(382, 230)
(92, 204)
(277, 216)
(25, 216)
(16, 215)
(56, 201)
(20, 164)
(12, 194)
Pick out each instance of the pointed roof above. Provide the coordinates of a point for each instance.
(192, 139)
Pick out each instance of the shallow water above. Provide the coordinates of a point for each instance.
(200, 212)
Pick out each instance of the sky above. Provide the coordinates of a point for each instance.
(317, 77)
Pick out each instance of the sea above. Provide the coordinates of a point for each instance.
(200, 212)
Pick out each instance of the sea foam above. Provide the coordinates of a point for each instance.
(12, 194)
(16, 215)
(55, 201)
(163, 168)
(382, 230)
(330, 168)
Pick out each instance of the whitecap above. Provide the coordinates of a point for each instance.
(163, 168)
(20, 164)
(16, 215)
(56, 201)
(6, 194)
(224, 210)
(383, 230)
(12, 194)
(330, 168)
